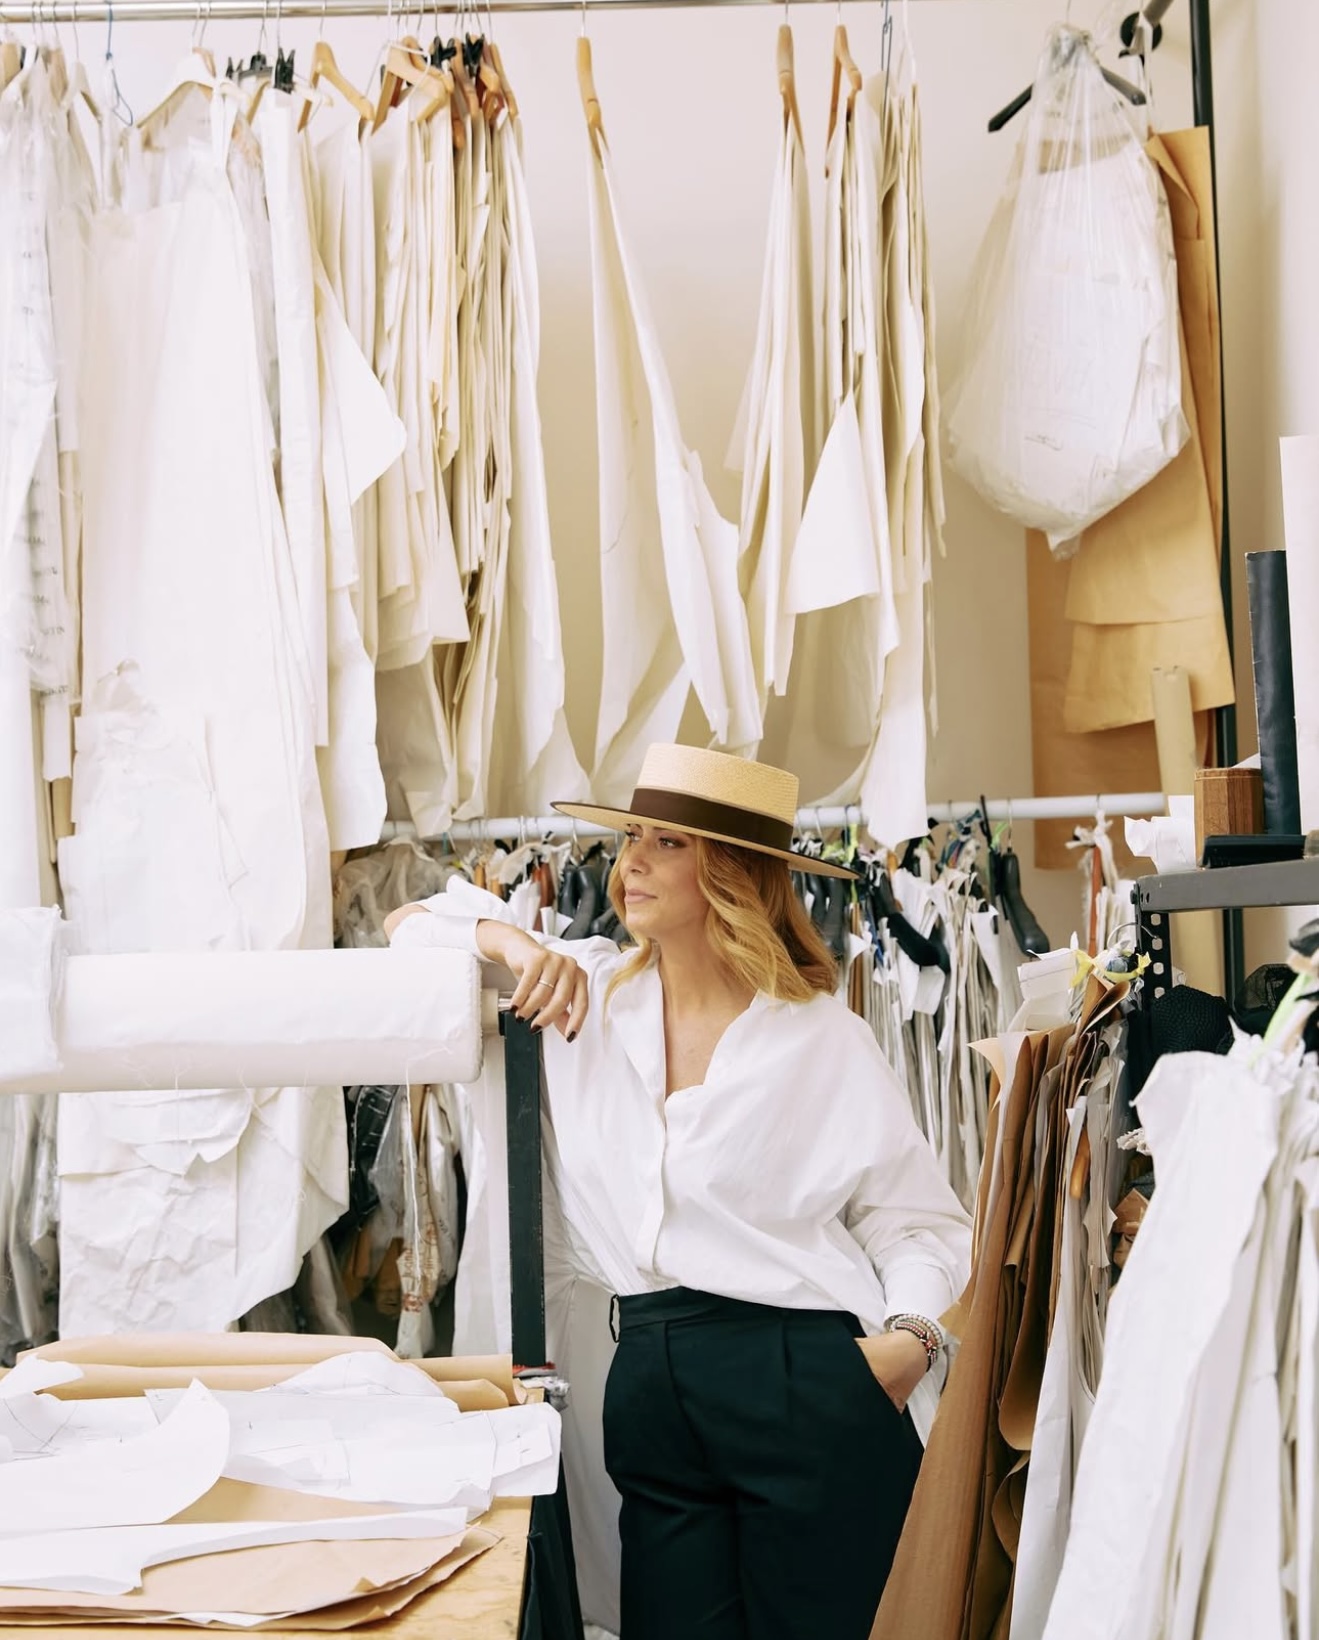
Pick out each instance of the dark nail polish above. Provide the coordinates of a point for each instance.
(537, 1029)
(572, 1036)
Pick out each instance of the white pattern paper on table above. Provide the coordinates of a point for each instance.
(140, 1480)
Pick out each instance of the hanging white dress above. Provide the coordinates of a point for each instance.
(37, 604)
(673, 612)
(199, 815)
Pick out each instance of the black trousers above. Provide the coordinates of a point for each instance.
(765, 1474)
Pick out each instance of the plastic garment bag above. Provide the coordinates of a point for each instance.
(1070, 395)
(673, 613)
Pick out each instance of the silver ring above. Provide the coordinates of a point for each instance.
(546, 983)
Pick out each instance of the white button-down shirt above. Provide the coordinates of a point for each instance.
(793, 1175)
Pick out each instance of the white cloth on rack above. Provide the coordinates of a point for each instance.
(855, 722)
(532, 761)
(199, 815)
(673, 613)
(778, 456)
(31, 964)
(1196, 1533)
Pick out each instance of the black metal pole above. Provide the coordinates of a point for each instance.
(526, 1231)
(1202, 89)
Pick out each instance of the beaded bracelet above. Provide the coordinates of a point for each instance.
(929, 1334)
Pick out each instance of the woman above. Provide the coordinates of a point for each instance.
(735, 1160)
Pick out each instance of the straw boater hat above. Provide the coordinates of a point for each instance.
(709, 794)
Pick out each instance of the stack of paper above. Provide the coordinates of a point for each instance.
(338, 1495)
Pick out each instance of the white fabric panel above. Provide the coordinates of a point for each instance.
(198, 1020)
(672, 608)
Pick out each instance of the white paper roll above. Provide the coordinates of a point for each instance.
(1300, 513)
(265, 1019)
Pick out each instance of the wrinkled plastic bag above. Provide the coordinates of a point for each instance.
(369, 887)
(1070, 397)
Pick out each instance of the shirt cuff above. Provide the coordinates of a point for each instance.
(436, 930)
(921, 1290)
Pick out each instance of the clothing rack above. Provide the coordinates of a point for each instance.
(206, 11)
(526, 826)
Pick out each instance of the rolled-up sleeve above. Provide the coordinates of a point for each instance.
(903, 1212)
(453, 916)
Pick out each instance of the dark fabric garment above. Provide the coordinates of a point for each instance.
(765, 1473)
(550, 1608)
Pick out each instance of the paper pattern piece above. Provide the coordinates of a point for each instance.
(142, 1480)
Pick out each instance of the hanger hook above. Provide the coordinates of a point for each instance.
(583, 19)
(320, 33)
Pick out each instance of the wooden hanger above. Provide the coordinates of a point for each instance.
(463, 80)
(11, 61)
(497, 62)
(56, 70)
(486, 82)
(407, 64)
(79, 85)
(191, 72)
(586, 85)
(843, 64)
(788, 78)
(324, 67)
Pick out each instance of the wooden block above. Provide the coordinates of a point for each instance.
(1228, 803)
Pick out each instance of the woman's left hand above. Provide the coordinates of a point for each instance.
(898, 1361)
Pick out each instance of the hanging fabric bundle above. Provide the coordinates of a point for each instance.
(1070, 397)
(195, 750)
(855, 722)
(673, 615)
(779, 411)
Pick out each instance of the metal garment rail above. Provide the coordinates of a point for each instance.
(527, 826)
(148, 11)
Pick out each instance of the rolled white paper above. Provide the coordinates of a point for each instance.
(264, 1019)
(1300, 514)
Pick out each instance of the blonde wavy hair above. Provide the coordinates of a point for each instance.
(758, 928)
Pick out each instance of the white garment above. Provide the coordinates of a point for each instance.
(854, 722)
(1069, 398)
(778, 458)
(532, 761)
(673, 613)
(200, 822)
(745, 1186)
(1189, 1539)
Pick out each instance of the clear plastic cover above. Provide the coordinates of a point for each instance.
(1070, 397)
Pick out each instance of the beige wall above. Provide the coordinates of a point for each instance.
(689, 100)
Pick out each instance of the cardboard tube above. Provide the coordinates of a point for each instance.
(1174, 730)
(1300, 513)
(1196, 935)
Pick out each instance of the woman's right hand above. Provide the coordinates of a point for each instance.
(551, 988)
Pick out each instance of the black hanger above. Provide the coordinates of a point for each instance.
(929, 951)
(283, 80)
(1071, 44)
(1005, 876)
(441, 54)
